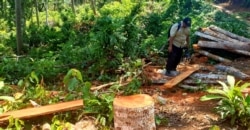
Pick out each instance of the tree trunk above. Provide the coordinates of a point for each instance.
(232, 35)
(37, 13)
(134, 112)
(238, 45)
(73, 6)
(215, 57)
(195, 82)
(208, 76)
(18, 10)
(46, 8)
(233, 71)
(93, 6)
(219, 35)
(209, 44)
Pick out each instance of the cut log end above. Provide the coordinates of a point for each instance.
(134, 112)
(134, 101)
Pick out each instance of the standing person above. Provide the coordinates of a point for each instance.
(178, 39)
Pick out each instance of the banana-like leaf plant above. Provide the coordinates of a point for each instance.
(233, 104)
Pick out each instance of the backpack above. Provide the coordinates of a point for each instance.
(178, 28)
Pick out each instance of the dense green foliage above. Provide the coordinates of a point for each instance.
(98, 43)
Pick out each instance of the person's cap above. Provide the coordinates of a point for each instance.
(187, 21)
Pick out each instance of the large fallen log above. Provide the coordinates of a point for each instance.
(200, 81)
(233, 71)
(43, 110)
(238, 45)
(213, 44)
(174, 81)
(215, 57)
(217, 45)
(203, 35)
(232, 35)
(134, 112)
(204, 76)
(220, 35)
(194, 88)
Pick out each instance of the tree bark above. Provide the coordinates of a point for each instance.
(210, 44)
(93, 2)
(232, 35)
(215, 57)
(233, 71)
(238, 45)
(195, 82)
(46, 8)
(37, 13)
(203, 35)
(219, 35)
(18, 10)
(208, 76)
(73, 6)
(134, 112)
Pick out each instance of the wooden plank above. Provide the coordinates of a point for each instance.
(43, 110)
(171, 83)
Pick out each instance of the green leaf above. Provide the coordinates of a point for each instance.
(77, 74)
(231, 81)
(245, 85)
(225, 87)
(7, 98)
(215, 127)
(217, 91)
(1, 85)
(247, 100)
(211, 97)
(86, 90)
(34, 76)
(20, 82)
(72, 84)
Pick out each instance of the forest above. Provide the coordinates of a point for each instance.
(55, 51)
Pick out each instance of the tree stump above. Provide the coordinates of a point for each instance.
(134, 112)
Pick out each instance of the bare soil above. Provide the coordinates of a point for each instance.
(183, 108)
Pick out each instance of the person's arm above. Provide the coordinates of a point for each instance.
(170, 42)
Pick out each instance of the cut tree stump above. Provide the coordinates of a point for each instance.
(171, 83)
(43, 110)
(134, 112)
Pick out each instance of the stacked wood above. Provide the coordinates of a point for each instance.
(218, 38)
(232, 71)
(134, 112)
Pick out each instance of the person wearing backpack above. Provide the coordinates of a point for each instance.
(177, 41)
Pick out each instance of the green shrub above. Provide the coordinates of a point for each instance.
(233, 104)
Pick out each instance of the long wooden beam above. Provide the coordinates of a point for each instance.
(171, 83)
(43, 110)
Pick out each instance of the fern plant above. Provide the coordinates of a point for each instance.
(233, 104)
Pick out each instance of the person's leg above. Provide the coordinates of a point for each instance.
(178, 56)
(170, 61)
